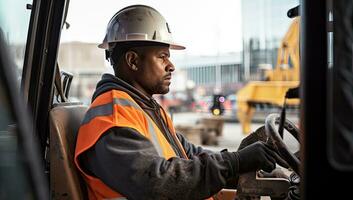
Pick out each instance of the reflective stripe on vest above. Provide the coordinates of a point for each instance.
(116, 109)
(107, 109)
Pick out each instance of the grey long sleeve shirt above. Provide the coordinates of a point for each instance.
(128, 162)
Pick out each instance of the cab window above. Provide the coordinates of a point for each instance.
(14, 22)
(13, 178)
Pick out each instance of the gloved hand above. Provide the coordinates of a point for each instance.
(257, 156)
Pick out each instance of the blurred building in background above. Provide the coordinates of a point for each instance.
(85, 61)
(264, 24)
(208, 73)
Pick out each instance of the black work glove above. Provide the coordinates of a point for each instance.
(257, 156)
(258, 135)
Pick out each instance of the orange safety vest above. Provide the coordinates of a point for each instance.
(117, 109)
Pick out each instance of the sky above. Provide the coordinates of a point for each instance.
(205, 27)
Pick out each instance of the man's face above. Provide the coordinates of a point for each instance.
(154, 70)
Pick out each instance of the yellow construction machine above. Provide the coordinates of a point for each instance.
(276, 82)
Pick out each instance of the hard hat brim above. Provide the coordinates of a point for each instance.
(176, 47)
(105, 45)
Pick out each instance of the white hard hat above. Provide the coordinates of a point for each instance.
(138, 23)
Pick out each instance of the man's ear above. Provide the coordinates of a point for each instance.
(131, 59)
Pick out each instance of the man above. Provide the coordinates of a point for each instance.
(127, 146)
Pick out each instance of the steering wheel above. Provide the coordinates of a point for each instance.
(250, 184)
(277, 140)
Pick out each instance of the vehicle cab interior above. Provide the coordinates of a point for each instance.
(39, 121)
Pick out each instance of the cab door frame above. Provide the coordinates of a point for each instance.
(47, 19)
(320, 178)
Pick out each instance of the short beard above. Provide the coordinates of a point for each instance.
(160, 89)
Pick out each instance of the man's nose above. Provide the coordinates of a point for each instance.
(170, 66)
